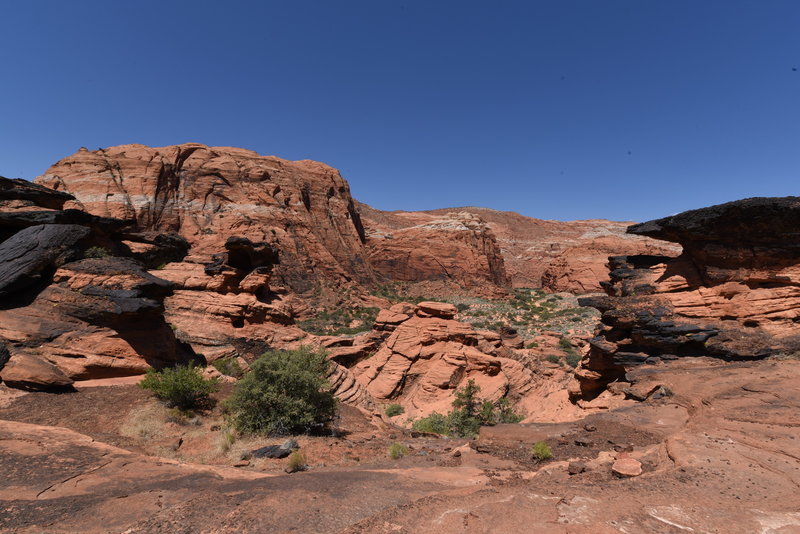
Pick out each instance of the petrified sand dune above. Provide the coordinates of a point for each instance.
(208, 194)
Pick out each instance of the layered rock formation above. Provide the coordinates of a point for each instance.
(429, 355)
(555, 255)
(734, 292)
(458, 247)
(67, 315)
(208, 194)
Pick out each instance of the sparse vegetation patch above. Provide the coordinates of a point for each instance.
(286, 392)
(468, 415)
(181, 387)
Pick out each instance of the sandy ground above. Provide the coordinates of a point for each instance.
(721, 455)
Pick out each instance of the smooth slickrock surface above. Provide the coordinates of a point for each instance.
(718, 456)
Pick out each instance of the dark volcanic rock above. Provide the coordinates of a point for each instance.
(63, 317)
(155, 249)
(19, 219)
(276, 451)
(21, 191)
(4, 355)
(734, 292)
(35, 252)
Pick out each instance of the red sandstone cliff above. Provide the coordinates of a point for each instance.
(556, 255)
(207, 194)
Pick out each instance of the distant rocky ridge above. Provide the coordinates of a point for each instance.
(734, 292)
(555, 255)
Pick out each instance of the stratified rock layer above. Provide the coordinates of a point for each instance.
(429, 355)
(734, 293)
(555, 255)
(458, 247)
(208, 194)
(65, 315)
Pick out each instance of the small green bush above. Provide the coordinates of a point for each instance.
(181, 387)
(435, 423)
(286, 392)
(564, 344)
(573, 359)
(394, 409)
(468, 415)
(296, 462)
(552, 358)
(337, 322)
(96, 252)
(531, 345)
(397, 451)
(507, 414)
(541, 451)
(486, 415)
(228, 367)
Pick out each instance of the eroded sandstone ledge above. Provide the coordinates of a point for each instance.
(734, 292)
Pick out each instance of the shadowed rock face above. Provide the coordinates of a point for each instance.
(208, 194)
(65, 317)
(19, 192)
(734, 293)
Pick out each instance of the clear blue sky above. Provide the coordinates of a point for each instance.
(629, 109)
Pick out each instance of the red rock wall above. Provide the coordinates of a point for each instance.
(555, 255)
(208, 194)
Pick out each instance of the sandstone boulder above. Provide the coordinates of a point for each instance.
(28, 371)
(627, 468)
(442, 310)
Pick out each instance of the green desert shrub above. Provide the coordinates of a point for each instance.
(394, 409)
(285, 392)
(435, 423)
(182, 387)
(506, 413)
(228, 367)
(397, 451)
(337, 322)
(541, 451)
(573, 359)
(469, 413)
(96, 252)
(552, 358)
